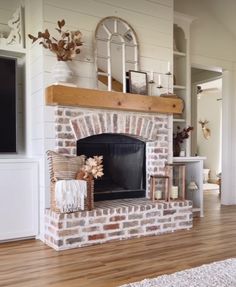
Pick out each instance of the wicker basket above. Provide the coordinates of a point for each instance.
(89, 200)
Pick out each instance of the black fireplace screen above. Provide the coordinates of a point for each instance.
(124, 165)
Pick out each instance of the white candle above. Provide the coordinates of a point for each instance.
(158, 194)
(174, 192)
(168, 67)
(182, 153)
(151, 76)
(159, 80)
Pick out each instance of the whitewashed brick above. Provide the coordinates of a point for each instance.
(65, 231)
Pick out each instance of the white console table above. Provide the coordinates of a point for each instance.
(194, 172)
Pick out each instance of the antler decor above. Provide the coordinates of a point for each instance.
(206, 131)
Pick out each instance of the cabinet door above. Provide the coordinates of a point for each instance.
(18, 200)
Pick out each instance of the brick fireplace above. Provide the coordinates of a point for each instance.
(73, 124)
(122, 218)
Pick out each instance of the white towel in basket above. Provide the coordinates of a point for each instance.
(70, 195)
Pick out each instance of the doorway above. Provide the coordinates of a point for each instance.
(207, 122)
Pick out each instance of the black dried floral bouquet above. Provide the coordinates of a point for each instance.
(66, 47)
(181, 135)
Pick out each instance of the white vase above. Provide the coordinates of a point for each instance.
(62, 73)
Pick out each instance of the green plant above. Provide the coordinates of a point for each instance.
(66, 47)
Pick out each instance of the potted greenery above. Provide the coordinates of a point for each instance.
(65, 47)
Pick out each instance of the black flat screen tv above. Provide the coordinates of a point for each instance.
(8, 102)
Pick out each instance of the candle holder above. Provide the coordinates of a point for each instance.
(168, 74)
(174, 192)
(159, 187)
(151, 82)
(191, 188)
(177, 175)
(159, 86)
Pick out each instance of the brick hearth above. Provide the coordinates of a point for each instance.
(116, 220)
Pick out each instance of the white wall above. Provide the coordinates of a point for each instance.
(210, 147)
(213, 46)
(154, 30)
(199, 76)
(153, 23)
(208, 36)
(36, 103)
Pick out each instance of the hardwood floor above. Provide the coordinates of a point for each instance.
(31, 263)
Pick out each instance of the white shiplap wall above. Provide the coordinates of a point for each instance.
(36, 87)
(151, 19)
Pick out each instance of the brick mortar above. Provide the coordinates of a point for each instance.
(77, 236)
(72, 123)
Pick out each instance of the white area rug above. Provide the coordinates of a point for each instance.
(217, 274)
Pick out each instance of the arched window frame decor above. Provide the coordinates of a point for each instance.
(119, 29)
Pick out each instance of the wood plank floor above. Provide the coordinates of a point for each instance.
(31, 263)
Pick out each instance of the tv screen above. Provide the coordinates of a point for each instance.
(7, 105)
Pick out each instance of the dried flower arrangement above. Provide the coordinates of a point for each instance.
(66, 47)
(179, 137)
(93, 168)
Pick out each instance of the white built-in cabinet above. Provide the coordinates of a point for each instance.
(182, 88)
(18, 198)
(182, 73)
(194, 173)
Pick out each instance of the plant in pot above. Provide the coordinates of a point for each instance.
(65, 47)
(179, 137)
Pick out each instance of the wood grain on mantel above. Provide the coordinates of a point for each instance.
(80, 97)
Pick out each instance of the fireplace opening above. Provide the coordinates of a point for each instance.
(124, 165)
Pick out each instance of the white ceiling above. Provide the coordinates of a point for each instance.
(217, 84)
(224, 11)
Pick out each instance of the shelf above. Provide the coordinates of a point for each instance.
(179, 120)
(17, 159)
(80, 97)
(12, 51)
(179, 87)
(179, 54)
(196, 209)
(188, 158)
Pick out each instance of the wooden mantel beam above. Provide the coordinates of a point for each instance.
(71, 96)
